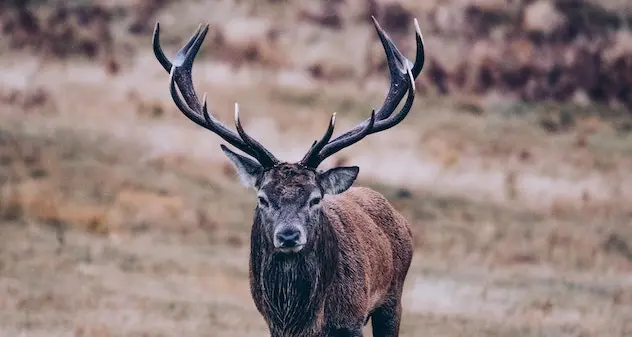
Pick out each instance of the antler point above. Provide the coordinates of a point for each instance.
(375, 23)
(418, 30)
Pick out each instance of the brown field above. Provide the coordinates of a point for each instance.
(119, 217)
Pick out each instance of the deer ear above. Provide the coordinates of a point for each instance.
(247, 169)
(338, 179)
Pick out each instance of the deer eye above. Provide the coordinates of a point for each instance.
(263, 202)
(314, 202)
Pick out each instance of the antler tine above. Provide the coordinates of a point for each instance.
(182, 53)
(206, 120)
(261, 151)
(183, 63)
(398, 65)
(160, 55)
(318, 145)
(180, 79)
(341, 143)
(184, 66)
(420, 57)
(402, 73)
(398, 117)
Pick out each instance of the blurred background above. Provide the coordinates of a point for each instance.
(120, 217)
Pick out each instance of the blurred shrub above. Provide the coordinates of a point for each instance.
(535, 50)
(60, 30)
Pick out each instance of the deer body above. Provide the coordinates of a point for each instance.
(355, 267)
(324, 257)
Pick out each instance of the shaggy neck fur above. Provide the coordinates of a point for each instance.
(288, 289)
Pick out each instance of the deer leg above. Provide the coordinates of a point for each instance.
(385, 319)
(345, 332)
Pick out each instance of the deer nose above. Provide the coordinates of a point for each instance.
(288, 237)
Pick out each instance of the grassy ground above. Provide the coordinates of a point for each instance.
(118, 217)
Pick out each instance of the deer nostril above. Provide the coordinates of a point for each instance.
(288, 237)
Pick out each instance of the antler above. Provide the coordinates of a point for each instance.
(180, 80)
(403, 74)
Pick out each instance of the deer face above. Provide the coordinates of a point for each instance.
(289, 198)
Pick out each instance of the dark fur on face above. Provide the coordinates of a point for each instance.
(289, 202)
(289, 183)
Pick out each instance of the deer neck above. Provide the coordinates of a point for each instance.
(289, 288)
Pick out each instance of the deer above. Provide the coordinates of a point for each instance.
(325, 256)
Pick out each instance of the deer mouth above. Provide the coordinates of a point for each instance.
(291, 249)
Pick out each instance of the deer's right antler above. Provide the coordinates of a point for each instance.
(180, 80)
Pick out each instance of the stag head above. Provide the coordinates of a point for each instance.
(290, 194)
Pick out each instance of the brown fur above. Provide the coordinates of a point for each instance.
(379, 243)
(352, 269)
